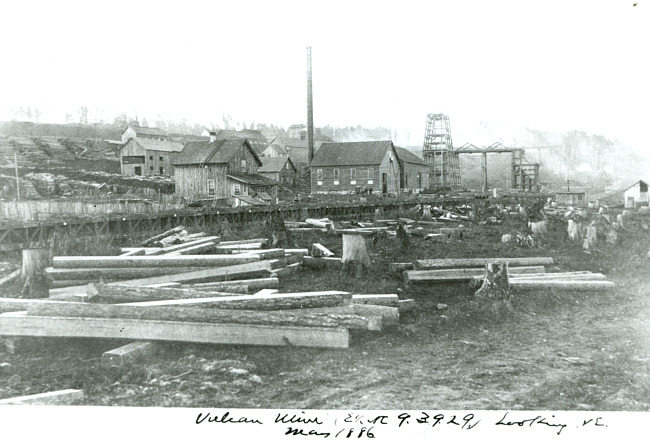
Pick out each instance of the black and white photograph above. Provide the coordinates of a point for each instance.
(324, 219)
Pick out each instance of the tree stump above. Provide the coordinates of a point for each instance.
(404, 239)
(574, 229)
(495, 283)
(32, 275)
(355, 254)
(590, 238)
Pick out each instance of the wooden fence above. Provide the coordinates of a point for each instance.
(51, 210)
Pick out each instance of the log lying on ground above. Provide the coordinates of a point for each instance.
(163, 235)
(260, 240)
(211, 260)
(399, 267)
(430, 264)
(126, 250)
(182, 246)
(10, 278)
(461, 274)
(298, 300)
(134, 252)
(205, 315)
(130, 293)
(406, 305)
(376, 299)
(388, 314)
(287, 270)
(93, 274)
(561, 285)
(8, 304)
(250, 284)
(216, 333)
(196, 249)
(59, 397)
(322, 262)
(129, 354)
(209, 275)
(559, 276)
(318, 250)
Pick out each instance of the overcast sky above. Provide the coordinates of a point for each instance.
(549, 65)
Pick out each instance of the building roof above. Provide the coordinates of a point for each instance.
(406, 155)
(146, 131)
(249, 200)
(351, 153)
(155, 144)
(274, 165)
(252, 179)
(217, 152)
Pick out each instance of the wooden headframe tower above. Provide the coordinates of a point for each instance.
(439, 153)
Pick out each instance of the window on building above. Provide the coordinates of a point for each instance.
(370, 176)
(161, 170)
(243, 165)
(212, 188)
(336, 176)
(353, 176)
(319, 176)
(137, 171)
(160, 158)
(406, 179)
(151, 158)
(151, 168)
(236, 189)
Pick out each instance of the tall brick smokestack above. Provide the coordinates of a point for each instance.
(310, 109)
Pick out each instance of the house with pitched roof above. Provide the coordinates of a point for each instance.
(147, 157)
(134, 131)
(353, 167)
(414, 171)
(225, 170)
(280, 169)
(629, 195)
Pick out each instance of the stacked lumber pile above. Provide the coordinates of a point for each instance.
(524, 274)
(179, 259)
(159, 293)
(146, 315)
(463, 270)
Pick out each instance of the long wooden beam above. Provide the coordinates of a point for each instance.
(209, 275)
(183, 246)
(124, 273)
(461, 274)
(297, 300)
(210, 260)
(561, 285)
(430, 264)
(204, 315)
(250, 284)
(133, 293)
(129, 353)
(59, 397)
(216, 333)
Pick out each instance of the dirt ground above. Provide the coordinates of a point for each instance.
(548, 350)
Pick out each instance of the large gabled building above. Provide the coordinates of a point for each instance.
(147, 157)
(133, 131)
(222, 170)
(352, 167)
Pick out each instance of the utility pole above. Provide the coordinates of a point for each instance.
(17, 179)
(310, 109)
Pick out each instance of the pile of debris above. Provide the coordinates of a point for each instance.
(196, 288)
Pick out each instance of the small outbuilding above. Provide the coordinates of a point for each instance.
(280, 169)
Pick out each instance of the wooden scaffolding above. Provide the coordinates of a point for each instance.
(439, 153)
